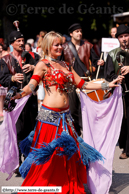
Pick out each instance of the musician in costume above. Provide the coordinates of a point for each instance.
(112, 70)
(85, 63)
(13, 73)
(56, 148)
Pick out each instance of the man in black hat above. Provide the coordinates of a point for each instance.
(111, 71)
(13, 73)
(81, 55)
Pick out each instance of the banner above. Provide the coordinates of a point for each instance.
(109, 44)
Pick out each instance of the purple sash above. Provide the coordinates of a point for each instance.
(101, 128)
(9, 154)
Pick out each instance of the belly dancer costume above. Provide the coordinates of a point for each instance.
(58, 156)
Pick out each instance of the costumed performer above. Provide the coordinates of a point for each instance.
(13, 72)
(58, 156)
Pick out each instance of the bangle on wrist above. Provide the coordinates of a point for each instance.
(105, 85)
(12, 79)
(21, 93)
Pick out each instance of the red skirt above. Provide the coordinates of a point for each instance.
(58, 171)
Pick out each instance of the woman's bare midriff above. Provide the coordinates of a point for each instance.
(56, 99)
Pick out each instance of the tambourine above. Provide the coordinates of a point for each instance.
(9, 105)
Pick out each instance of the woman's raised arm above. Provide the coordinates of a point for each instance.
(80, 83)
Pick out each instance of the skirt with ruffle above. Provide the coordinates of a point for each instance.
(58, 170)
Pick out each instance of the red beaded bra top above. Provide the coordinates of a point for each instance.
(62, 81)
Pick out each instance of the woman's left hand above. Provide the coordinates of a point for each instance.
(115, 81)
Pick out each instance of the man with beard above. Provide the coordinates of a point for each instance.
(112, 71)
(85, 53)
(13, 73)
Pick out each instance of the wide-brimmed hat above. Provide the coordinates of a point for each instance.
(74, 27)
(122, 29)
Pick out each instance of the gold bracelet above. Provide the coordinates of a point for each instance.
(22, 92)
(12, 79)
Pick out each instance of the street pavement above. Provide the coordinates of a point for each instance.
(120, 176)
